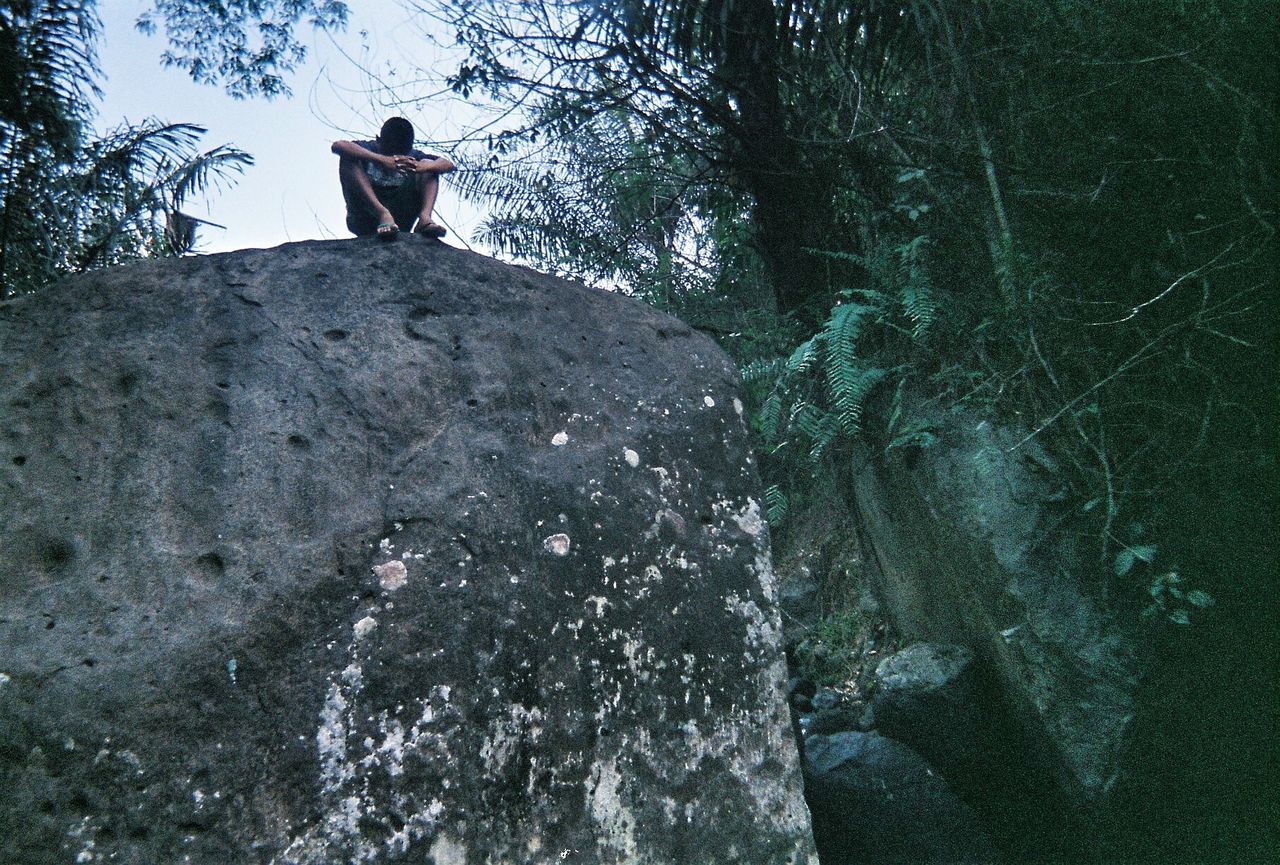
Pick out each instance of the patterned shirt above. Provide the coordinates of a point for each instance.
(380, 176)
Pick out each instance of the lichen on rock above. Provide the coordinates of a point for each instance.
(485, 600)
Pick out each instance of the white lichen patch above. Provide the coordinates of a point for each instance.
(615, 822)
(560, 439)
(352, 747)
(599, 602)
(666, 483)
(83, 832)
(331, 740)
(737, 406)
(665, 516)
(763, 569)
(641, 658)
(446, 851)
(632, 458)
(519, 728)
(751, 521)
(764, 632)
(557, 544)
(363, 628)
(392, 575)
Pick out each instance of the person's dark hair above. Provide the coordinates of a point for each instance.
(396, 136)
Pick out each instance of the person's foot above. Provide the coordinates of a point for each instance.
(388, 230)
(430, 228)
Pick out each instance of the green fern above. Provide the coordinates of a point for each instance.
(817, 425)
(916, 293)
(804, 356)
(838, 255)
(848, 379)
(775, 505)
(765, 371)
(770, 417)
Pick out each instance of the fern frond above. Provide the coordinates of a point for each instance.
(804, 356)
(817, 425)
(827, 432)
(771, 417)
(775, 505)
(849, 385)
(916, 293)
(838, 255)
(763, 371)
(848, 379)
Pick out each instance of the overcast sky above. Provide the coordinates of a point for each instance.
(291, 192)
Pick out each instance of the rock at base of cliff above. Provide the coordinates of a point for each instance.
(877, 802)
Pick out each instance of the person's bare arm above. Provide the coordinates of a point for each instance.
(438, 165)
(351, 150)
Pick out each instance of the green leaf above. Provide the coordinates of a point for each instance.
(1124, 564)
(1180, 617)
(1200, 598)
(1127, 557)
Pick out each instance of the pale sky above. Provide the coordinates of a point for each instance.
(291, 192)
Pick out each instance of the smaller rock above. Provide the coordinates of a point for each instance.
(837, 719)
(926, 696)
(874, 801)
(826, 699)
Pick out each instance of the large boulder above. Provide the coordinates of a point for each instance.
(348, 552)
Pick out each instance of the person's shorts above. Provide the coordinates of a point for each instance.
(403, 201)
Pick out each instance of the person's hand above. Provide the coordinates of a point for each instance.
(405, 164)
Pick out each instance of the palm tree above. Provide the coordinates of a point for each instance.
(70, 201)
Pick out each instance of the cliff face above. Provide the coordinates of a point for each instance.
(352, 552)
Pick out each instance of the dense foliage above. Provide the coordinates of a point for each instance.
(1064, 211)
(71, 200)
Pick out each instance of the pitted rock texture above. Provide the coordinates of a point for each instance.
(350, 552)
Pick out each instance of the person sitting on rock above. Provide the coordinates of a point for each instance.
(387, 183)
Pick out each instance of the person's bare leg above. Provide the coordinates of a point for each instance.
(428, 188)
(359, 190)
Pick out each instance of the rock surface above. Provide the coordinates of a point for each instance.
(956, 535)
(349, 552)
(875, 802)
(927, 697)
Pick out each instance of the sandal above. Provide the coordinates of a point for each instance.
(430, 229)
(388, 230)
